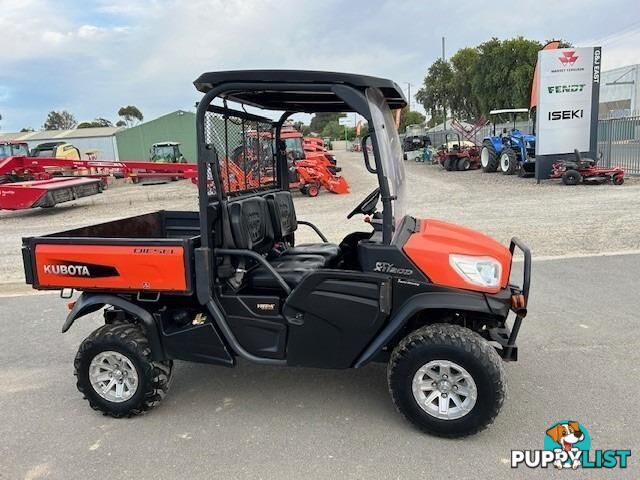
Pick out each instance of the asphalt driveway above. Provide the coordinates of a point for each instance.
(579, 359)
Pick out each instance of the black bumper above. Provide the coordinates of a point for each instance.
(518, 299)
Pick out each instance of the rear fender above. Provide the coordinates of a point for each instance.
(496, 142)
(91, 302)
(439, 300)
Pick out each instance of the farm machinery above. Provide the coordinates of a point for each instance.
(574, 172)
(30, 182)
(438, 304)
(511, 151)
(166, 152)
(310, 165)
(457, 154)
(415, 140)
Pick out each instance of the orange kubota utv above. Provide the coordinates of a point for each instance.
(432, 300)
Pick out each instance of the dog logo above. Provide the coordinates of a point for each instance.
(571, 440)
(567, 445)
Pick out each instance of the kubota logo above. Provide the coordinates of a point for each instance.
(69, 270)
(568, 58)
(80, 270)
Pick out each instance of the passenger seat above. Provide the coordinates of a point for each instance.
(251, 227)
(285, 223)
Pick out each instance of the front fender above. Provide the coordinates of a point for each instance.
(91, 302)
(455, 300)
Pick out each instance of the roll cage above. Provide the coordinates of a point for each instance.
(290, 92)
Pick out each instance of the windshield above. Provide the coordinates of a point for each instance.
(167, 152)
(13, 150)
(294, 146)
(43, 152)
(390, 150)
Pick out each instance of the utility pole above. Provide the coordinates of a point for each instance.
(409, 94)
(444, 107)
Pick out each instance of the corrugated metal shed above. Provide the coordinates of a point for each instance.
(101, 139)
(180, 126)
(619, 92)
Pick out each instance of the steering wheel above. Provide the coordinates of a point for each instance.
(368, 205)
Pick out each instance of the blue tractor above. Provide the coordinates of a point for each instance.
(511, 151)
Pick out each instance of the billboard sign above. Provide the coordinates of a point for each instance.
(567, 112)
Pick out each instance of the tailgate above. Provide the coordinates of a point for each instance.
(159, 266)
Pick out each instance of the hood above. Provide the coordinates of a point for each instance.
(430, 247)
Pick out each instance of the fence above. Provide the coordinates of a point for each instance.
(619, 143)
(618, 140)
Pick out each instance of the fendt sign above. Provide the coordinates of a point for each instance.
(567, 115)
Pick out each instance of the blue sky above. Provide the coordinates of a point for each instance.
(91, 57)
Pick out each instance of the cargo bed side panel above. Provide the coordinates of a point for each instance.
(115, 267)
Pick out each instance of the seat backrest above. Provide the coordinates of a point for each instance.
(283, 214)
(251, 224)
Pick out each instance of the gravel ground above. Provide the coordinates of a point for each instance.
(554, 220)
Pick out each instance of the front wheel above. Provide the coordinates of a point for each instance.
(447, 380)
(116, 374)
(508, 161)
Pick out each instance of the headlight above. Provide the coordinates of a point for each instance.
(483, 271)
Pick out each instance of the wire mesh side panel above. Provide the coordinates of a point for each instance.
(245, 150)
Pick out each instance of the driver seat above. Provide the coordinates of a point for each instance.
(285, 223)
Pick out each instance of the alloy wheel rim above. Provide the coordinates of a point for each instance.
(444, 390)
(113, 376)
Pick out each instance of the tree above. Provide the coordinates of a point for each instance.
(409, 118)
(504, 73)
(129, 114)
(97, 123)
(121, 123)
(437, 91)
(61, 120)
(26, 129)
(333, 130)
(464, 104)
(495, 74)
(437, 119)
(321, 119)
(298, 125)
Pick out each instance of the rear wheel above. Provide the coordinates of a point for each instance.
(488, 157)
(571, 177)
(508, 161)
(464, 164)
(447, 164)
(447, 380)
(116, 374)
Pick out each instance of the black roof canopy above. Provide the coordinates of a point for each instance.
(297, 99)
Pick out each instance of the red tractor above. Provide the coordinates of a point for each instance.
(574, 172)
(455, 154)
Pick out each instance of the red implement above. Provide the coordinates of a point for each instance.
(46, 193)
